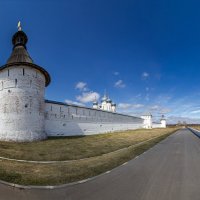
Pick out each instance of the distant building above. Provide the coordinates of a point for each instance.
(147, 120)
(106, 104)
(163, 122)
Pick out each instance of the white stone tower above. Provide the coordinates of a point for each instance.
(163, 122)
(22, 87)
(113, 107)
(95, 105)
(104, 103)
(109, 104)
(147, 120)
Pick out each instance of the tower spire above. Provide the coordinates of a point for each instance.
(105, 93)
(19, 27)
(20, 53)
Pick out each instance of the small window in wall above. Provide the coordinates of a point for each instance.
(60, 109)
(51, 108)
(23, 71)
(8, 72)
(15, 82)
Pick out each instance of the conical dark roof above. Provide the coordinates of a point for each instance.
(20, 55)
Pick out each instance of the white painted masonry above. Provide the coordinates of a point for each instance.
(163, 123)
(65, 120)
(22, 104)
(147, 120)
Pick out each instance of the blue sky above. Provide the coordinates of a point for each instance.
(146, 54)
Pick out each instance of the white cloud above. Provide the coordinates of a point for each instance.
(81, 86)
(129, 106)
(116, 73)
(165, 110)
(124, 105)
(87, 97)
(159, 109)
(147, 98)
(195, 112)
(138, 106)
(120, 84)
(155, 107)
(145, 75)
(74, 102)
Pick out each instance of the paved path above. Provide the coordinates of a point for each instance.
(169, 171)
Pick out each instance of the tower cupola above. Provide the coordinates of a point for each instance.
(19, 41)
(21, 56)
(109, 100)
(163, 122)
(19, 38)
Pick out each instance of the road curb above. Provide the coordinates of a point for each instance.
(195, 132)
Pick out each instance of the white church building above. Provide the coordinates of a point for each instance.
(106, 104)
(26, 116)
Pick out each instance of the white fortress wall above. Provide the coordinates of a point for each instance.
(65, 120)
(21, 104)
(157, 125)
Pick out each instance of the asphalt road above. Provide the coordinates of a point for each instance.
(168, 171)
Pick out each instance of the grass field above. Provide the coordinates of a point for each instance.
(70, 148)
(60, 173)
(195, 127)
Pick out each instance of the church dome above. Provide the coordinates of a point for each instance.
(109, 100)
(95, 103)
(163, 117)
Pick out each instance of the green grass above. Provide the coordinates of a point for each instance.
(61, 173)
(70, 148)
